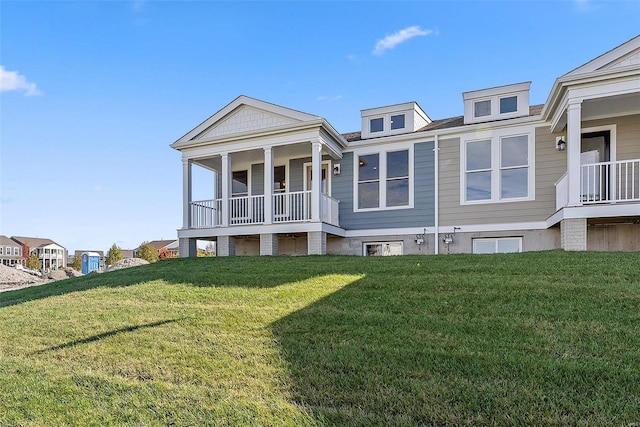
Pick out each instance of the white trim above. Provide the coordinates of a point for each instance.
(382, 176)
(612, 128)
(394, 242)
(305, 182)
(595, 211)
(496, 136)
(461, 228)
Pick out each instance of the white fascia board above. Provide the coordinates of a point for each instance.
(239, 101)
(595, 211)
(369, 112)
(607, 57)
(472, 228)
(498, 90)
(248, 230)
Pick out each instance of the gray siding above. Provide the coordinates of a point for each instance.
(421, 215)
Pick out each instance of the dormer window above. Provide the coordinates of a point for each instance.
(393, 120)
(498, 103)
(376, 125)
(508, 104)
(397, 122)
(482, 108)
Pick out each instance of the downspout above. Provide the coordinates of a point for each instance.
(436, 195)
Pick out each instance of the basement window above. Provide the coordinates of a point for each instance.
(500, 245)
(382, 248)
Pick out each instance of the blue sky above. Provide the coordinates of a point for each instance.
(93, 93)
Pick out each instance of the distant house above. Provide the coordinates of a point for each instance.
(10, 252)
(171, 246)
(127, 253)
(504, 176)
(52, 255)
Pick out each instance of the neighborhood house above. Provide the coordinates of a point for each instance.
(505, 176)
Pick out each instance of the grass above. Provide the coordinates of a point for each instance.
(547, 338)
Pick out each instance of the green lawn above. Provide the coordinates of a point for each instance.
(547, 338)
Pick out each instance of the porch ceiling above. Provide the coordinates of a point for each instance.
(244, 158)
(608, 106)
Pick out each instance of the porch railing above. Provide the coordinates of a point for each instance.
(604, 182)
(293, 206)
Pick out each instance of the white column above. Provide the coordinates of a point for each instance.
(316, 179)
(186, 193)
(574, 116)
(268, 185)
(226, 188)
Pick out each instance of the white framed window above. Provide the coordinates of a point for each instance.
(498, 245)
(498, 167)
(376, 125)
(16, 251)
(383, 179)
(382, 248)
(1, 250)
(397, 122)
(508, 104)
(240, 183)
(482, 108)
(7, 250)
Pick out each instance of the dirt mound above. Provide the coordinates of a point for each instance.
(11, 278)
(127, 263)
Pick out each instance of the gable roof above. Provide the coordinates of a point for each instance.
(626, 54)
(159, 244)
(5, 241)
(34, 242)
(244, 114)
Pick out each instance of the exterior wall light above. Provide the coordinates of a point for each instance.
(561, 144)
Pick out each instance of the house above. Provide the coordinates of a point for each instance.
(169, 247)
(52, 255)
(505, 176)
(10, 252)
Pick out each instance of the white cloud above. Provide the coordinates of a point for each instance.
(12, 80)
(401, 36)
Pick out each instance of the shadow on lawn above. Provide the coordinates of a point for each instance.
(103, 335)
(249, 272)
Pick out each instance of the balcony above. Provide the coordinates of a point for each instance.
(250, 210)
(604, 183)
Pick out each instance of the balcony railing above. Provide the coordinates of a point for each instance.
(246, 210)
(604, 182)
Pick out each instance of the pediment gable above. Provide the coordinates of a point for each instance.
(245, 119)
(627, 54)
(244, 115)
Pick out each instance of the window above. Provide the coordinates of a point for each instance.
(498, 168)
(16, 251)
(500, 245)
(508, 104)
(482, 108)
(1, 251)
(397, 122)
(376, 125)
(514, 167)
(240, 184)
(398, 178)
(479, 170)
(7, 250)
(368, 181)
(384, 180)
(383, 249)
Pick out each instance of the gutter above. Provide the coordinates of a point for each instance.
(436, 192)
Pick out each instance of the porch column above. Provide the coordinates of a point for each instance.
(226, 187)
(573, 234)
(268, 185)
(574, 117)
(316, 179)
(186, 193)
